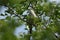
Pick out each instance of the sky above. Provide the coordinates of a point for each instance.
(57, 1)
(2, 10)
(21, 28)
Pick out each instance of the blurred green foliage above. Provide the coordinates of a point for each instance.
(43, 31)
(7, 28)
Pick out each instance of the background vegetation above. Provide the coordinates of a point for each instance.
(47, 25)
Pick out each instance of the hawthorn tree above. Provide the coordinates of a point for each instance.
(42, 15)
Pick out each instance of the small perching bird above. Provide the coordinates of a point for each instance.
(32, 11)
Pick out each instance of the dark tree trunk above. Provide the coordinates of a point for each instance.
(30, 31)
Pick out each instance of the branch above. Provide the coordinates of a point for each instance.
(20, 17)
